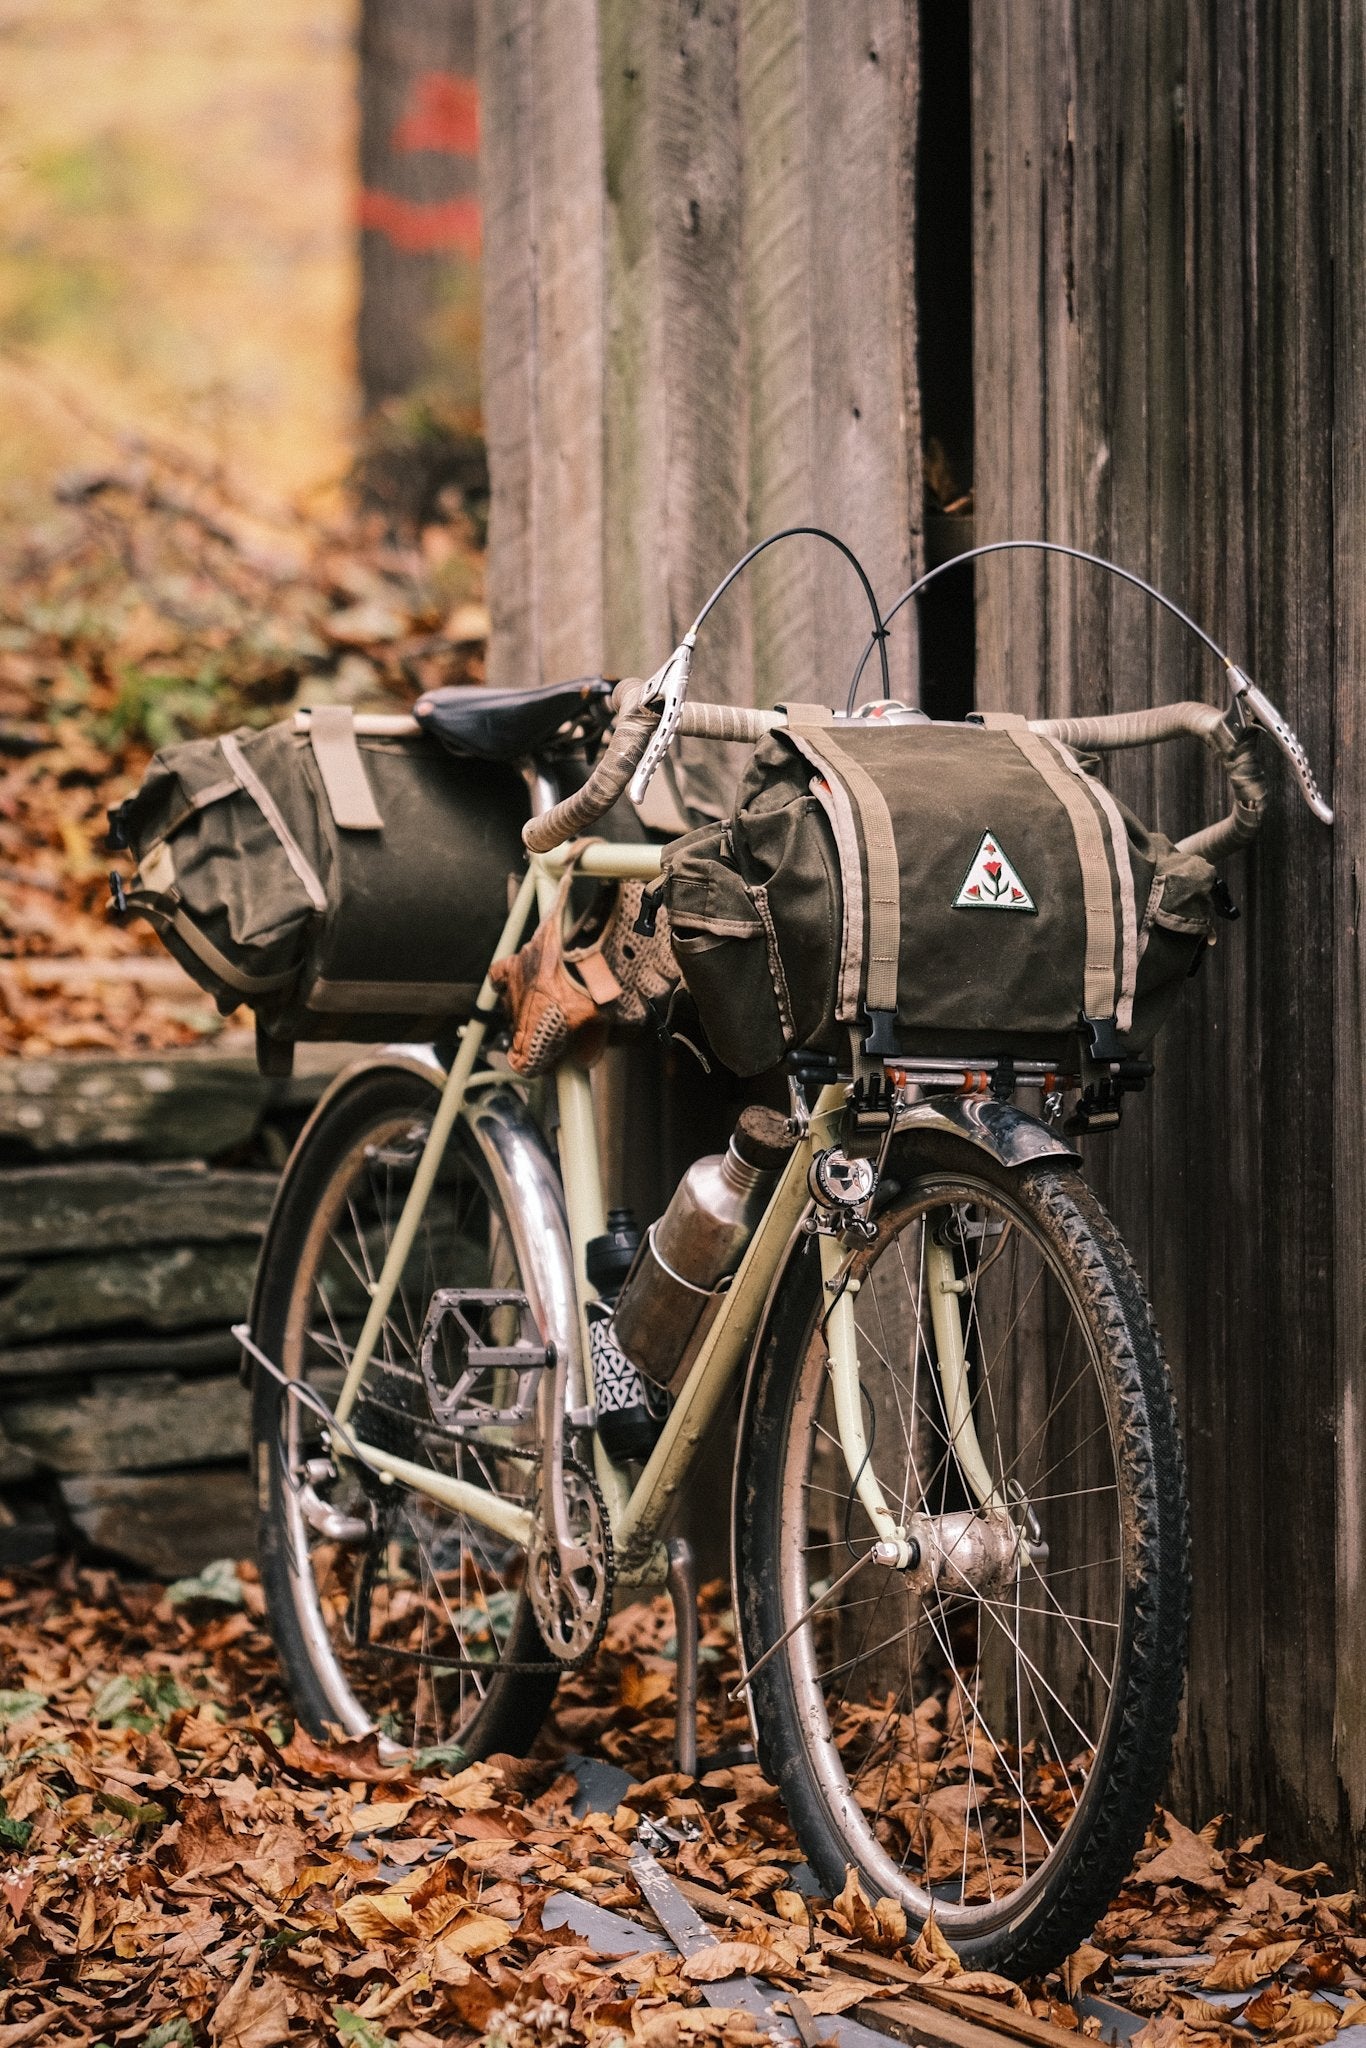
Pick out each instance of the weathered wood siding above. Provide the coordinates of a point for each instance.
(544, 262)
(702, 324)
(1169, 369)
(729, 187)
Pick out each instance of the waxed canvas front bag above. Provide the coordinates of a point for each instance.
(342, 885)
(930, 890)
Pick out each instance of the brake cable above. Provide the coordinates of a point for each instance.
(1045, 547)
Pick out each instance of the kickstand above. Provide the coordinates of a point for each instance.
(683, 1593)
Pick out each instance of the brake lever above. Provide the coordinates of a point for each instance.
(1252, 707)
(668, 687)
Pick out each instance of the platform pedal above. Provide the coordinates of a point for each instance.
(496, 1343)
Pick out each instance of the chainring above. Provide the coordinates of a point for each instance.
(572, 1608)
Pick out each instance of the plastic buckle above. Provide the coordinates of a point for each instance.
(118, 897)
(1099, 1107)
(872, 1105)
(880, 1043)
(647, 917)
(1102, 1040)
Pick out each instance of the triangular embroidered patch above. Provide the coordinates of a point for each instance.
(992, 882)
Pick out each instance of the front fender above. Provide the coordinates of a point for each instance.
(1009, 1134)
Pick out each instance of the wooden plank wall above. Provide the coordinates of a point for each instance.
(699, 325)
(1169, 365)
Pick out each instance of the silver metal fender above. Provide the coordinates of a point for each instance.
(1011, 1136)
(527, 1180)
(532, 1194)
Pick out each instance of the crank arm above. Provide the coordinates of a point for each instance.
(554, 1502)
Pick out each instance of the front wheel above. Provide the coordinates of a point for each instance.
(982, 1736)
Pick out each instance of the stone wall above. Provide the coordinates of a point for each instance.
(134, 1194)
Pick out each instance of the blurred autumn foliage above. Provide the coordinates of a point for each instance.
(177, 235)
(157, 603)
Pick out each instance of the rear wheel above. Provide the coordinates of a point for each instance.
(390, 1612)
(983, 1736)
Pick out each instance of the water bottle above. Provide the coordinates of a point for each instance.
(675, 1286)
(630, 1414)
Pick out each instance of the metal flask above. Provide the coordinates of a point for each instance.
(681, 1270)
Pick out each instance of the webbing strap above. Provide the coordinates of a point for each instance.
(1128, 908)
(1100, 986)
(204, 949)
(883, 904)
(251, 782)
(805, 714)
(332, 735)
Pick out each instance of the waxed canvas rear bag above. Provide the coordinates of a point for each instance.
(343, 885)
(930, 890)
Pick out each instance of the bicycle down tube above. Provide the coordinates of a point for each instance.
(637, 1514)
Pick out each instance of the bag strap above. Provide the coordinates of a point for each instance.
(882, 871)
(1101, 867)
(249, 986)
(251, 782)
(332, 736)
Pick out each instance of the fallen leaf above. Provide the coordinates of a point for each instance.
(988, 1984)
(1186, 1858)
(377, 1916)
(1082, 1967)
(723, 1959)
(1238, 1969)
(250, 2015)
(934, 1951)
(477, 1935)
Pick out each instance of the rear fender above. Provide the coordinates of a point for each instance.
(523, 1172)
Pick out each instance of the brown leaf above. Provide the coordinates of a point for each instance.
(250, 2016)
(988, 1984)
(476, 1935)
(357, 1757)
(1187, 1858)
(36, 2029)
(741, 1959)
(1082, 1967)
(1308, 2020)
(1238, 1969)
(853, 1910)
(933, 1950)
(837, 1994)
(378, 1916)
(380, 1814)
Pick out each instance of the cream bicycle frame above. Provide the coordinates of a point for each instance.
(638, 1514)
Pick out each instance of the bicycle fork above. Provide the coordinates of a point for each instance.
(978, 1546)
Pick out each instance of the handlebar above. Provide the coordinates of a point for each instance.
(1230, 735)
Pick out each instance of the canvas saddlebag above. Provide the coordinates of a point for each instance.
(342, 885)
(930, 890)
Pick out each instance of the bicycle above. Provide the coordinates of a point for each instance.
(959, 1515)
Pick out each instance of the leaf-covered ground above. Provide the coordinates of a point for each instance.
(157, 604)
(181, 1865)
